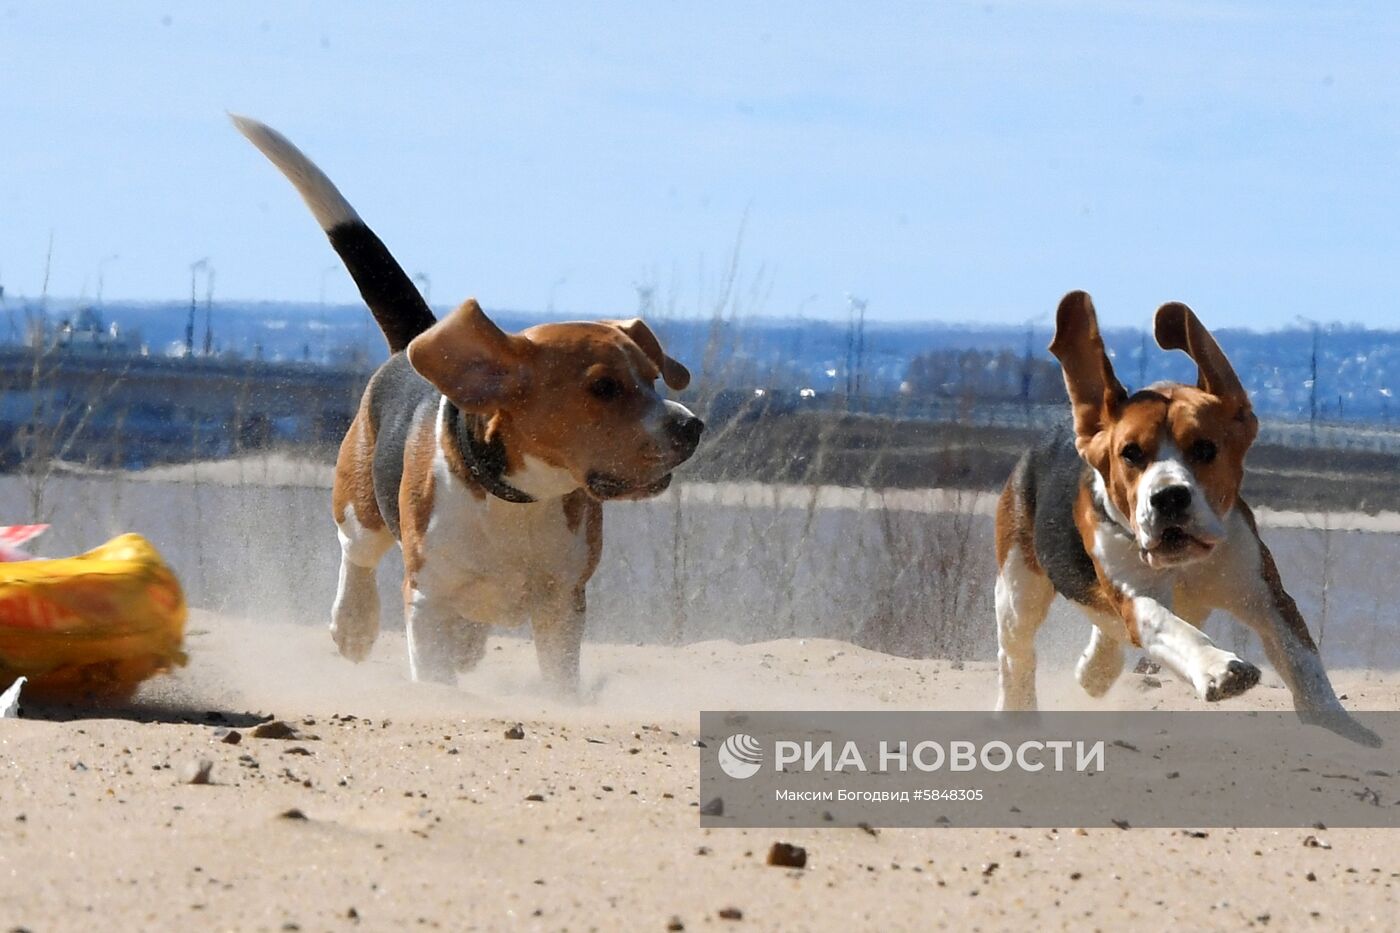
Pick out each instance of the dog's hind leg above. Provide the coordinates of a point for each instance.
(1023, 597)
(355, 613)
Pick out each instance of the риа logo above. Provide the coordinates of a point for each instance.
(741, 756)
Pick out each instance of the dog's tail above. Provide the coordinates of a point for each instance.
(399, 309)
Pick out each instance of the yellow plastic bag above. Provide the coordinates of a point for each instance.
(91, 626)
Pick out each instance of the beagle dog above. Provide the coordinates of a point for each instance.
(1135, 515)
(485, 455)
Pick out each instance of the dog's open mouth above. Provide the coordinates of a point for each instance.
(1176, 545)
(605, 486)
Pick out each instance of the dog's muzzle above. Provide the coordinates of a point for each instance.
(682, 437)
(1171, 535)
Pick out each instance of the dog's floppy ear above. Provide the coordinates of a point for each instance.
(1094, 391)
(672, 372)
(1177, 328)
(478, 366)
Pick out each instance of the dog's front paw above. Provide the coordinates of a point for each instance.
(353, 641)
(1231, 678)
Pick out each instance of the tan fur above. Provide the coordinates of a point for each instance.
(536, 423)
(1013, 529)
(353, 485)
(675, 375)
(1107, 421)
(1094, 391)
(416, 492)
(538, 388)
(1183, 415)
(574, 505)
(1107, 598)
(580, 509)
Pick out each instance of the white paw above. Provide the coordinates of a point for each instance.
(1226, 677)
(1098, 670)
(354, 641)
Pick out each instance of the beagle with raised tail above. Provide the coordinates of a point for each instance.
(1135, 515)
(485, 455)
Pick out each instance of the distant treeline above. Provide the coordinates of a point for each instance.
(1356, 369)
(984, 374)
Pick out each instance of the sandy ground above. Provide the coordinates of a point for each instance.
(416, 812)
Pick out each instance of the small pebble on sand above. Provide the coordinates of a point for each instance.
(785, 855)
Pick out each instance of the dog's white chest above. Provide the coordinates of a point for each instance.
(498, 561)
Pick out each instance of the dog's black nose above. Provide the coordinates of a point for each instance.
(1171, 502)
(685, 433)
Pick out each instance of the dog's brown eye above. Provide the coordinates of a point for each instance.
(1202, 451)
(1132, 454)
(606, 389)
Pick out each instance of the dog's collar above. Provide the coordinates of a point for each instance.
(485, 460)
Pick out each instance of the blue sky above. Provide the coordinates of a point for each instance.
(949, 161)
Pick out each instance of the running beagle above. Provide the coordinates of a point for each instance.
(1136, 517)
(486, 455)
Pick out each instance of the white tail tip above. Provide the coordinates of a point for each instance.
(327, 204)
